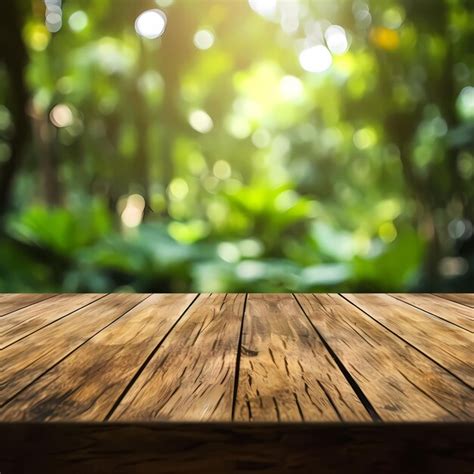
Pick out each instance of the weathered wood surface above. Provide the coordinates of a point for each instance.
(286, 372)
(127, 368)
(223, 357)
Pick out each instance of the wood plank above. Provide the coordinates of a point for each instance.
(244, 448)
(191, 376)
(28, 359)
(20, 324)
(458, 314)
(448, 345)
(400, 382)
(85, 385)
(466, 299)
(10, 302)
(286, 372)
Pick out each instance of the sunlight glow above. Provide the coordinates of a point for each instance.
(150, 24)
(291, 88)
(336, 39)
(222, 169)
(315, 59)
(465, 102)
(289, 18)
(203, 39)
(178, 189)
(266, 8)
(229, 252)
(78, 21)
(132, 215)
(61, 116)
(200, 121)
(53, 15)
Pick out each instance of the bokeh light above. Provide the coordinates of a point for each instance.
(266, 8)
(53, 15)
(150, 24)
(203, 39)
(261, 138)
(200, 121)
(315, 59)
(178, 189)
(61, 116)
(336, 39)
(132, 215)
(465, 102)
(222, 169)
(78, 21)
(291, 88)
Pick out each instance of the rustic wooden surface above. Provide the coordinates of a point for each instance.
(223, 357)
(235, 361)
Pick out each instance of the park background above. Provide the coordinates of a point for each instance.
(257, 145)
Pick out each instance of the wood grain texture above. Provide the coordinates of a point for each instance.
(85, 385)
(191, 377)
(449, 346)
(222, 448)
(466, 299)
(23, 322)
(286, 373)
(28, 359)
(460, 315)
(219, 357)
(10, 302)
(400, 382)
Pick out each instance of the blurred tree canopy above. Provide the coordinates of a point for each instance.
(260, 145)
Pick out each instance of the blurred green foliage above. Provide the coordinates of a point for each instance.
(230, 154)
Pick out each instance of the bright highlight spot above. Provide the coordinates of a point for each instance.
(38, 37)
(78, 21)
(150, 24)
(61, 116)
(178, 189)
(228, 252)
(315, 59)
(238, 126)
(200, 121)
(291, 88)
(132, 215)
(203, 39)
(53, 22)
(53, 15)
(336, 39)
(385, 38)
(265, 8)
(222, 169)
(365, 138)
(465, 102)
(387, 232)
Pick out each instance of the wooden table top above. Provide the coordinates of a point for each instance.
(241, 357)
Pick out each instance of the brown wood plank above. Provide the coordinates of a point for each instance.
(458, 314)
(400, 382)
(466, 299)
(21, 323)
(85, 385)
(286, 372)
(191, 376)
(28, 359)
(243, 448)
(10, 302)
(448, 345)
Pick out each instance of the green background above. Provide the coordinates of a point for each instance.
(355, 178)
